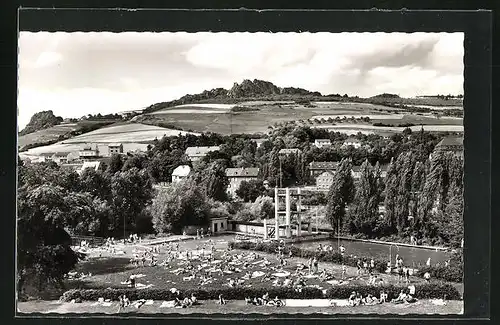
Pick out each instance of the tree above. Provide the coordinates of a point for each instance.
(341, 193)
(184, 204)
(131, 192)
(96, 183)
(213, 180)
(363, 214)
(250, 190)
(44, 252)
(115, 164)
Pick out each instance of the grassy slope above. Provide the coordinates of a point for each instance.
(53, 133)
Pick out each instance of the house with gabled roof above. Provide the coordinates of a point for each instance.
(237, 175)
(318, 167)
(454, 144)
(197, 153)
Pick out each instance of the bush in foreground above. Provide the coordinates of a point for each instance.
(423, 291)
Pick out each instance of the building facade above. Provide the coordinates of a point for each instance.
(237, 175)
(324, 181)
(89, 153)
(320, 143)
(353, 142)
(180, 173)
(115, 148)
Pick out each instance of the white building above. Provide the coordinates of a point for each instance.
(96, 165)
(324, 181)
(353, 142)
(180, 173)
(320, 143)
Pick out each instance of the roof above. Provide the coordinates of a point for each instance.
(322, 140)
(46, 154)
(182, 170)
(288, 151)
(327, 173)
(352, 139)
(91, 164)
(200, 151)
(323, 165)
(61, 154)
(115, 145)
(243, 172)
(451, 142)
(89, 147)
(259, 140)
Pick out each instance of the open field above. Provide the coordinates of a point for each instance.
(216, 117)
(238, 307)
(46, 135)
(363, 128)
(53, 133)
(133, 132)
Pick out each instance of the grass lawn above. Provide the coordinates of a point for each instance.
(238, 307)
(110, 270)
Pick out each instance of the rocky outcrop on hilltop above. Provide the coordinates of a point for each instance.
(257, 88)
(41, 120)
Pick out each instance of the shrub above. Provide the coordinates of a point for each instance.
(422, 291)
(165, 294)
(452, 273)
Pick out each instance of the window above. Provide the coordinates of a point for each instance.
(222, 225)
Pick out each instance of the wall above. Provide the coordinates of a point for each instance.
(258, 228)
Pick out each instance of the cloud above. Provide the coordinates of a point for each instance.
(47, 59)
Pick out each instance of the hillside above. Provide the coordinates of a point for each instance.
(248, 89)
(41, 120)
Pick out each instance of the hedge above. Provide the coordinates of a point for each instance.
(166, 294)
(452, 273)
(447, 273)
(423, 291)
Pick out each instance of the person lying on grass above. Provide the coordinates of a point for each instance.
(370, 300)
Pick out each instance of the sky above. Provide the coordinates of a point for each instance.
(74, 74)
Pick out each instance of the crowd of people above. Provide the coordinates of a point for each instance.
(205, 264)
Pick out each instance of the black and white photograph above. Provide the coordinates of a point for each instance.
(240, 173)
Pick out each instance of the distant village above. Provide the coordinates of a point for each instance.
(93, 156)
